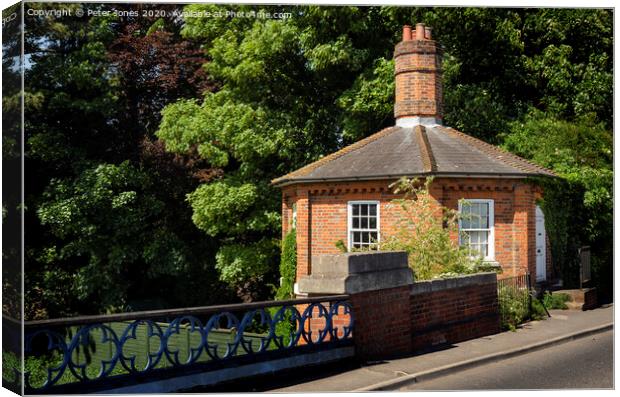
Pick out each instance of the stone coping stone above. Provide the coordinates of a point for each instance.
(422, 287)
(355, 283)
(359, 262)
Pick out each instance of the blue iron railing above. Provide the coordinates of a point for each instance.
(85, 353)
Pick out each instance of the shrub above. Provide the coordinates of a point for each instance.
(555, 301)
(538, 311)
(548, 301)
(286, 328)
(10, 363)
(342, 247)
(288, 266)
(424, 233)
(581, 153)
(288, 270)
(513, 306)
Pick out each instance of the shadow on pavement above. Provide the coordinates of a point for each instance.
(280, 379)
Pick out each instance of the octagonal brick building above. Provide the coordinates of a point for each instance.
(345, 195)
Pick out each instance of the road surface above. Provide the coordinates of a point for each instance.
(585, 363)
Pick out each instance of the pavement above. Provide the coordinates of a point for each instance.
(583, 363)
(563, 326)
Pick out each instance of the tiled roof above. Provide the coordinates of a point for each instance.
(417, 151)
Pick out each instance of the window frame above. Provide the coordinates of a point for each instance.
(350, 229)
(491, 229)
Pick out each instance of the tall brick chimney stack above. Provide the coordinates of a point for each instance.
(419, 85)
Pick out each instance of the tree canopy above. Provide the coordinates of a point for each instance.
(155, 140)
(106, 222)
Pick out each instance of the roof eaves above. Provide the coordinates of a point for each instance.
(292, 181)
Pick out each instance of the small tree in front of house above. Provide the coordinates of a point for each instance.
(423, 231)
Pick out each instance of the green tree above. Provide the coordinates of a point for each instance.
(90, 122)
(12, 291)
(581, 152)
(107, 216)
(295, 89)
(284, 93)
(69, 123)
(279, 81)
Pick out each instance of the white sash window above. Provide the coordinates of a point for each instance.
(476, 227)
(363, 219)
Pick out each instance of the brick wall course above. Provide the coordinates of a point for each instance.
(453, 315)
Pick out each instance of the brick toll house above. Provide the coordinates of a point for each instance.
(345, 196)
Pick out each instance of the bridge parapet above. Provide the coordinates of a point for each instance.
(395, 316)
(172, 350)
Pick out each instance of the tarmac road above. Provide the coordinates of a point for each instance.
(585, 363)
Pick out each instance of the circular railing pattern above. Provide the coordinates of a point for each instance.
(222, 337)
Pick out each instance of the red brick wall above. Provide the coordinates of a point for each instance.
(401, 320)
(322, 216)
(525, 227)
(515, 218)
(382, 323)
(453, 315)
(287, 215)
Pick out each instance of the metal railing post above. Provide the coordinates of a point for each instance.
(529, 296)
(580, 268)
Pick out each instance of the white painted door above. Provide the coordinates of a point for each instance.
(541, 246)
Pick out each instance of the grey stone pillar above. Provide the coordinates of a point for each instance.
(379, 286)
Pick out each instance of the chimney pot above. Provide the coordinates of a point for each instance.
(406, 33)
(419, 31)
(428, 33)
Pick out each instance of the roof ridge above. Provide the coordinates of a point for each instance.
(426, 151)
(345, 150)
(487, 148)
